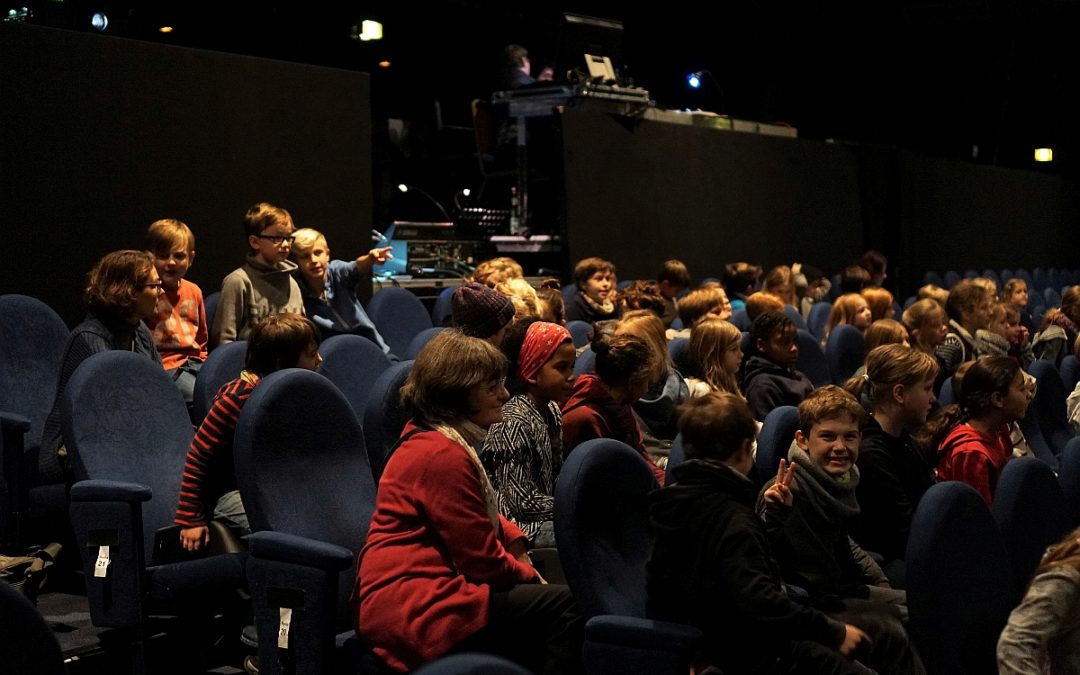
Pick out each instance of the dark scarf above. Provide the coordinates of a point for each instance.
(832, 499)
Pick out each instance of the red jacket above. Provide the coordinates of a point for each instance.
(431, 559)
(970, 456)
(591, 413)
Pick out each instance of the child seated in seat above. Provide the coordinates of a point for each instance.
(329, 286)
(769, 375)
(208, 484)
(595, 299)
(711, 566)
(809, 535)
(523, 453)
(673, 279)
(179, 324)
(852, 309)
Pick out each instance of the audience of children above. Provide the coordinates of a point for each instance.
(551, 302)
(442, 571)
(121, 293)
(898, 392)
(595, 299)
(811, 286)
(761, 302)
(522, 454)
(969, 308)
(809, 534)
(704, 303)
(673, 278)
(711, 565)
(1043, 632)
(853, 279)
(780, 282)
(769, 375)
(208, 483)
(264, 284)
(330, 287)
(639, 295)
(973, 438)
(1015, 294)
(179, 323)
(656, 408)
(876, 265)
(883, 332)
(933, 292)
(602, 403)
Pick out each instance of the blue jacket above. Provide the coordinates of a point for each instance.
(341, 311)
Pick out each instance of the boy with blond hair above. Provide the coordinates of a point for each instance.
(264, 284)
(179, 324)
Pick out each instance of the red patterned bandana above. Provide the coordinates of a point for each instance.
(541, 341)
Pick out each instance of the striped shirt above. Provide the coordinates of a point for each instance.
(208, 470)
(522, 456)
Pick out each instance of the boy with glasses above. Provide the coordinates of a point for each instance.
(264, 285)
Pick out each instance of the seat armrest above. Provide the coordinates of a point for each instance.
(289, 548)
(13, 423)
(642, 633)
(109, 491)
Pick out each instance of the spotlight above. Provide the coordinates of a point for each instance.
(412, 188)
(165, 29)
(99, 21)
(1044, 154)
(694, 80)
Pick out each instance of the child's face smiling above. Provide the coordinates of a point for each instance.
(832, 444)
(555, 379)
(174, 265)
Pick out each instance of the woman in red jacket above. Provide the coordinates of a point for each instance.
(442, 570)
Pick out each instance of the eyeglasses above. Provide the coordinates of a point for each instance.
(497, 385)
(277, 240)
(159, 285)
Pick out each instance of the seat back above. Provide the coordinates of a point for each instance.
(471, 663)
(353, 364)
(819, 318)
(211, 303)
(800, 322)
(947, 396)
(777, 432)
(384, 417)
(812, 361)
(740, 319)
(1031, 512)
(1069, 478)
(1049, 405)
(301, 464)
(679, 350)
(579, 331)
(399, 316)
(33, 336)
(585, 363)
(222, 366)
(1070, 373)
(845, 352)
(601, 526)
(951, 278)
(442, 310)
(676, 457)
(421, 339)
(959, 581)
(28, 647)
(123, 419)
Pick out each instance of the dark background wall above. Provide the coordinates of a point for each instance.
(101, 136)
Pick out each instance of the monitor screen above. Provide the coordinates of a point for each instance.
(580, 35)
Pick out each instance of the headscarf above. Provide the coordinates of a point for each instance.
(541, 341)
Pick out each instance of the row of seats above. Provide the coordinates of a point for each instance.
(1038, 279)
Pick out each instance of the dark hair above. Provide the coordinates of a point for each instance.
(587, 267)
(642, 295)
(278, 342)
(514, 56)
(853, 279)
(262, 215)
(964, 298)
(675, 273)
(444, 373)
(715, 426)
(512, 341)
(114, 282)
(984, 377)
(622, 359)
(740, 277)
(765, 325)
(552, 297)
(873, 262)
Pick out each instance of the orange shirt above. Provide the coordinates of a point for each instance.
(179, 325)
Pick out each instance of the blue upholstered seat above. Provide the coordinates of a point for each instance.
(399, 315)
(383, 416)
(812, 361)
(353, 364)
(304, 478)
(579, 331)
(442, 310)
(959, 582)
(471, 663)
(421, 339)
(222, 366)
(777, 432)
(28, 646)
(819, 318)
(845, 352)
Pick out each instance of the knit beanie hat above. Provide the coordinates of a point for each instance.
(480, 311)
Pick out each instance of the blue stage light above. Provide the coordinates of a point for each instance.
(694, 80)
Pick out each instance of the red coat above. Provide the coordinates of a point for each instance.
(591, 413)
(972, 457)
(432, 557)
